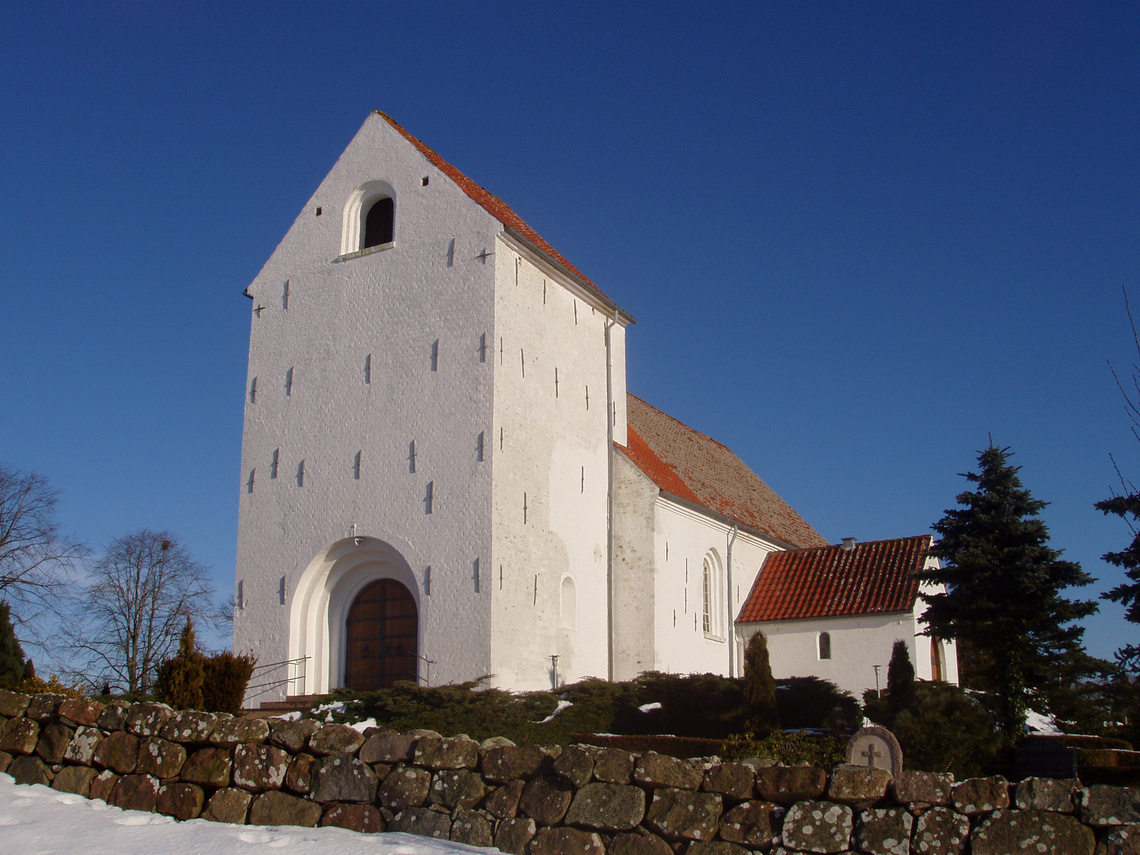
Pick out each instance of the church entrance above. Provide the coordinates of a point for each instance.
(382, 630)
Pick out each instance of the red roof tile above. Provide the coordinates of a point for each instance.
(873, 578)
(496, 207)
(698, 469)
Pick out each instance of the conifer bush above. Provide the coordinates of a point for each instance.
(180, 679)
(901, 693)
(11, 654)
(226, 676)
(762, 715)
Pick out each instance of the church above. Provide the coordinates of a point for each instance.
(444, 477)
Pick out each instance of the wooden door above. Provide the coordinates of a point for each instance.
(382, 632)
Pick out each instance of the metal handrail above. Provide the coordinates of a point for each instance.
(273, 684)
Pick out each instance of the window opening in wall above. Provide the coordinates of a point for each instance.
(556, 381)
(379, 225)
(252, 473)
(534, 602)
(253, 391)
(712, 606)
(356, 466)
(239, 600)
(435, 355)
(500, 577)
(544, 290)
(587, 397)
(524, 507)
(500, 439)
(706, 609)
(522, 360)
(500, 350)
(274, 462)
(936, 659)
(301, 474)
(666, 550)
(412, 457)
(475, 574)
(569, 603)
(575, 313)
(583, 488)
(289, 382)
(825, 645)
(479, 448)
(282, 590)
(285, 296)
(368, 368)
(429, 499)
(427, 580)
(318, 210)
(424, 181)
(483, 347)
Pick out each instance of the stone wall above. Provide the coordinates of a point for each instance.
(534, 800)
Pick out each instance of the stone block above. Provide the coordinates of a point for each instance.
(189, 727)
(78, 712)
(362, 818)
(147, 718)
(1046, 794)
(278, 808)
(208, 767)
(293, 736)
(607, 807)
(335, 739)
(81, 749)
(260, 767)
(1121, 840)
(575, 764)
(74, 779)
(640, 842)
(940, 831)
(20, 736)
(503, 802)
(118, 751)
(5, 761)
(299, 776)
(135, 792)
(560, 841)
(654, 770)
(13, 704)
(613, 766)
(26, 769)
(405, 787)
(230, 731)
(342, 778)
(456, 788)
(884, 831)
(1104, 806)
(422, 821)
(386, 747)
(161, 758)
(471, 828)
(460, 752)
(858, 786)
(509, 763)
(228, 805)
(113, 716)
(980, 795)
(751, 823)
(733, 780)
(181, 801)
(822, 827)
(54, 739)
(920, 790)
(786, 785)
(102, 785)
(514, 834)
(684, 814)
(1006, 832)
(715, 847)
(546, 800)
(44, 707)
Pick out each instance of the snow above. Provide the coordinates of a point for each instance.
(561, 706)
(37, 820)
(1035, 722)
(650, 707)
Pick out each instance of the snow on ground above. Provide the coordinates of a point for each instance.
(561, 706)
(1035, 722)
(37, 820)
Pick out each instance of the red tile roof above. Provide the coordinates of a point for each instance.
(698, 469)
(873, 578)
(496, 207)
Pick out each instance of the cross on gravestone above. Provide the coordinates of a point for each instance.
(876, 747)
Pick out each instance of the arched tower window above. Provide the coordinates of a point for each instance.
(569, 604)
(712, 600)
(936, 659)
(379, 225)
(825, 645)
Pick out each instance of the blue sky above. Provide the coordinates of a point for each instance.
(858, 238)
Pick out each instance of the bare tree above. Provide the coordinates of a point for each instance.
(135, 605)
(35, 559)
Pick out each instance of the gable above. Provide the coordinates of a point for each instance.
(698, 469)
(872, 578)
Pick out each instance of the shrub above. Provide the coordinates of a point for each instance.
(812, 702)
(946, 730)
(790, 749)
(53, 685)
(180, 679)
(762, 716)
(225, 677)
(900, 683)
(11, 654)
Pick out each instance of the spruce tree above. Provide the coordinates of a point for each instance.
(901, 694)
(11, 654)
(180, 680)
(761, 714)
(1127, 507)
(1002, 598)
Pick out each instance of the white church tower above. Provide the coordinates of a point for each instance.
(432, 403)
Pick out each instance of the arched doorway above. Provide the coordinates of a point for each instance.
(382, 628)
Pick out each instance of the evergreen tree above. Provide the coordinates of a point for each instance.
(1002, 598)
(762, 715)
(1127, 507)
(180, 679)
(11, 654)
(901, 694)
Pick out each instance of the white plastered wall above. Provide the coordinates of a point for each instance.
(386, 348)
(550, 456)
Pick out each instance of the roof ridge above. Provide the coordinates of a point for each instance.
(494, 206)
(859, 543)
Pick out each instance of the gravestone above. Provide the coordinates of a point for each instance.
(875, 746)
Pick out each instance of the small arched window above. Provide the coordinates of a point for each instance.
(936, 659)
(379, 225)
(825, 645)
(569, 604)
(712, 612)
